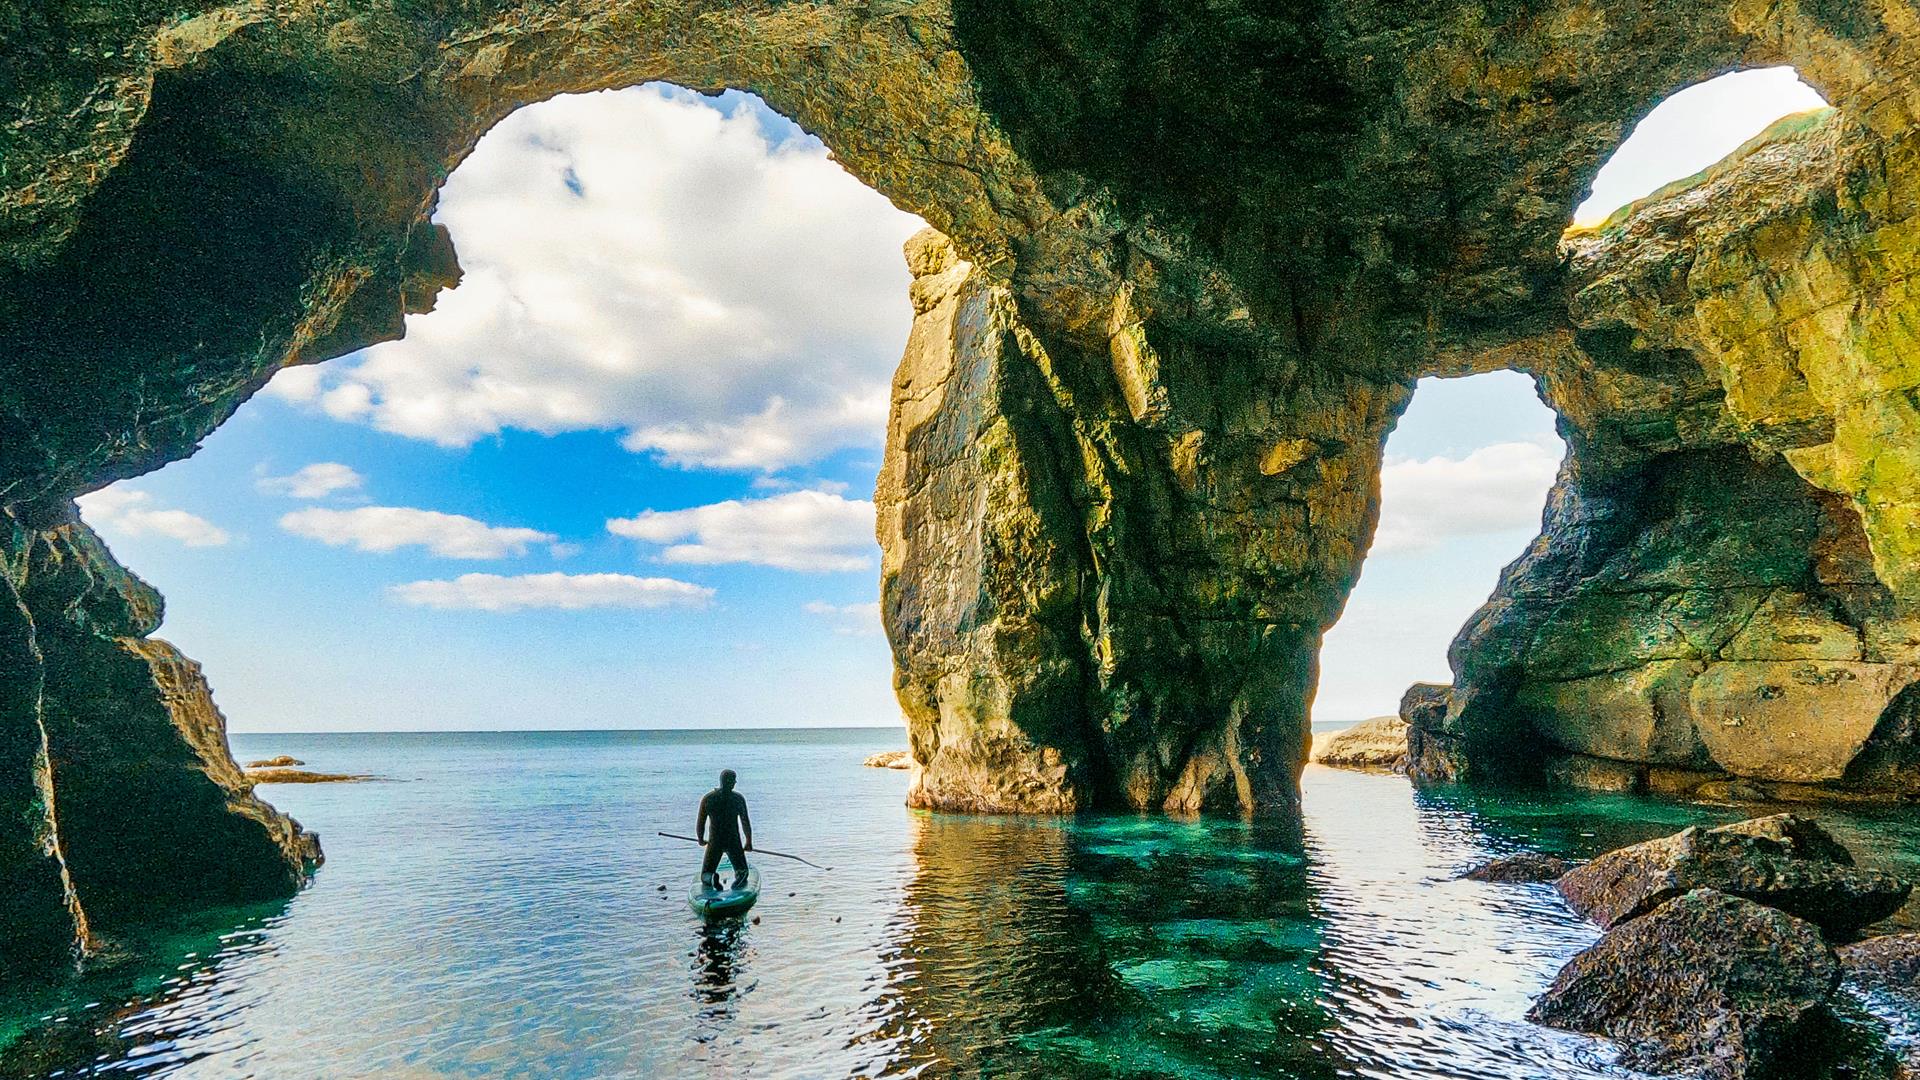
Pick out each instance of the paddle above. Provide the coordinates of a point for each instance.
(756, 851)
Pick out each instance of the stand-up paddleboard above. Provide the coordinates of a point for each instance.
(719, 903)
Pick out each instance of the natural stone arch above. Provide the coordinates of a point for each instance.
(1135, 441)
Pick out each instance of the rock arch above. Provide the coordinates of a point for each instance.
(1175, 307)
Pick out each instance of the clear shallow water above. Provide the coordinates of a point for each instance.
(499, 911)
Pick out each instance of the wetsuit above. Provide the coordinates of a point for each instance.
(723, 810)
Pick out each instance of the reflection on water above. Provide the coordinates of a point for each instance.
(719, 976)
(496, 917)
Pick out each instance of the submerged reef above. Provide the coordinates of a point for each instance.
(1188, 263)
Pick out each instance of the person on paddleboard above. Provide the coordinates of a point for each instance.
(727, 811)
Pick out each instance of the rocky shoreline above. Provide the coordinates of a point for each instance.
(1725, 952)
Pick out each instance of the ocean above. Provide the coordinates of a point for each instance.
(501, 906)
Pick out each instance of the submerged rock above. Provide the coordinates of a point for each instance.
(1783, 862)
(1711, 984)
(890, 759)
(1526, 868)
(1379, 743)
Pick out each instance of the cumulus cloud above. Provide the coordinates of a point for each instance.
(850, 620)
(800, 530)
(1494, 489)
(566, 592)
(121, 512)
(316, 481)
(388, 528)
(704, 280)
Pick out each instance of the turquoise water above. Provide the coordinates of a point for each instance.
(502, 908)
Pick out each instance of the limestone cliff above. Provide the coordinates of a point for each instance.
(1084, 616)
(1196, 257)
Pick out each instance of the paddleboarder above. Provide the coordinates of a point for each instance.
(727, 810)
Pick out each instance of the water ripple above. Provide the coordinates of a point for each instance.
(511, 913)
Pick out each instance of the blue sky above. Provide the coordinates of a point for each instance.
(619, 477)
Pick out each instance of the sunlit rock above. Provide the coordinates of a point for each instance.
(1379, 743)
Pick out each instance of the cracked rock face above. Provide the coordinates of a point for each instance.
(1191, 260)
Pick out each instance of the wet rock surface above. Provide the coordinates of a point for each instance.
(1691, 978)
(1782, 862)
(1525, 868)
(1709, 984)
(1889, 964)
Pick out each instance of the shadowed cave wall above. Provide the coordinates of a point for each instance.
(1189, 262)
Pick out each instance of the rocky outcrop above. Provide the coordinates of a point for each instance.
(1076, 610)
(1379, 743)
(140, 810)
(1783, 862)
(1709, 984)
(1525, 868)
(1195, 258)
(304, 776)
(1718, 960)
(1734, 341)
(889, 759)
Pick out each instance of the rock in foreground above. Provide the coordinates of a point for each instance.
(890, 759)
(1709, 983)
(1783, 862)
(1379, 743)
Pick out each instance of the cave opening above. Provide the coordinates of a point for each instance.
(618, 476)
(1690, 131)
(1463, 481)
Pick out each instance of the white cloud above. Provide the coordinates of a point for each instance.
(800, 530)
(119, 511)
(643, 262)
(387, 528)
(1494, 489)
(316, 481)
(567, 592)
(851, 620)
